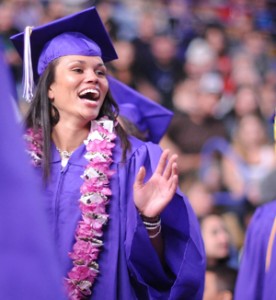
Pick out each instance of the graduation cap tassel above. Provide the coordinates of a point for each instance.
(28, 78)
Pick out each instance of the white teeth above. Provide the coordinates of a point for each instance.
(92, 91)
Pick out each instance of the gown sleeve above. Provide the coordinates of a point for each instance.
(183, 247)
(270, 278)
(251, 276)
(29, 266)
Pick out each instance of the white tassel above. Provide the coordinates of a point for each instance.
(28, 77)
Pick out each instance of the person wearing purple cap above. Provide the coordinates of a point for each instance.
(29, 266)
(122, 227)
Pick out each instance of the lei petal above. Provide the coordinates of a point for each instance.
(34, 145)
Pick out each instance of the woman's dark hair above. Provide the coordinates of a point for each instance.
(43, 115)
(132, 129)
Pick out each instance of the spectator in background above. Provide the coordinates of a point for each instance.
(27, 12)
(189, 130)
(146, 30)
(8, 28)
(252, 159)
(220, 283)
(122, 68)
(52, 11)
(245, 101)
(200, 58)
(255, 46)
(244, 71)
(215, 35)
(181, 24)
(200, 197)
(267, 105)
(240, 21)
(219, 247)
(241, 166)
(212, 173)
(164, 70)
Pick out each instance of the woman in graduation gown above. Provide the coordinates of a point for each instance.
(122, 227)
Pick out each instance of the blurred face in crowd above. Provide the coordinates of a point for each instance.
(245, 101)
(251, 131)
(216, 39)
(208, 103)
(216, 238)
(212, 290)
(163, 48)
(200, 198)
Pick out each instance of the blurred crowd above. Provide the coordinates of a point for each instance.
(212, 62)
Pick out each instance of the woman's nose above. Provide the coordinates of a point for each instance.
(91, 76)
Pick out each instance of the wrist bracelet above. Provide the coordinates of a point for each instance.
(156, 234)
(150, 219)
(152, 225)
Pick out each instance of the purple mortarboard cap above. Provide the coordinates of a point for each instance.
(147, 115)
(82, 33)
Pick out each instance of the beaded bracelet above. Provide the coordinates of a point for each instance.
(152, 223)
(155, 234)
(152, 226)
(149, 219)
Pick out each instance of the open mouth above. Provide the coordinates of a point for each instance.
(89, 94)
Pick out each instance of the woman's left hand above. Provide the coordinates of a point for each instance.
(153, 196)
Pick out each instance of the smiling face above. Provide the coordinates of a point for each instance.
(79, 88)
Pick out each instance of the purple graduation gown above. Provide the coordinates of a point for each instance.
(255, 281)
(129, 266)
(29, 267)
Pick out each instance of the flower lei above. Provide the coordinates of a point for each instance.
(95, 195)
(34, 145)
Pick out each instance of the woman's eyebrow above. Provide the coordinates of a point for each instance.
(84, 62)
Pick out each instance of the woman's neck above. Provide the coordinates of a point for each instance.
(69, 138)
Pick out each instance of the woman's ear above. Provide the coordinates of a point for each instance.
(50, 94)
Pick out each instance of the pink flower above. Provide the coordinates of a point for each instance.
(73, 292)
(34, 145)
(84, 231)
(88, 230)
(106, 191)
(94, 208)
(79, 273)
(84, 252)
(97, 146)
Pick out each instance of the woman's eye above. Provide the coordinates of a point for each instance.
(101, 72)
(78, 70)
